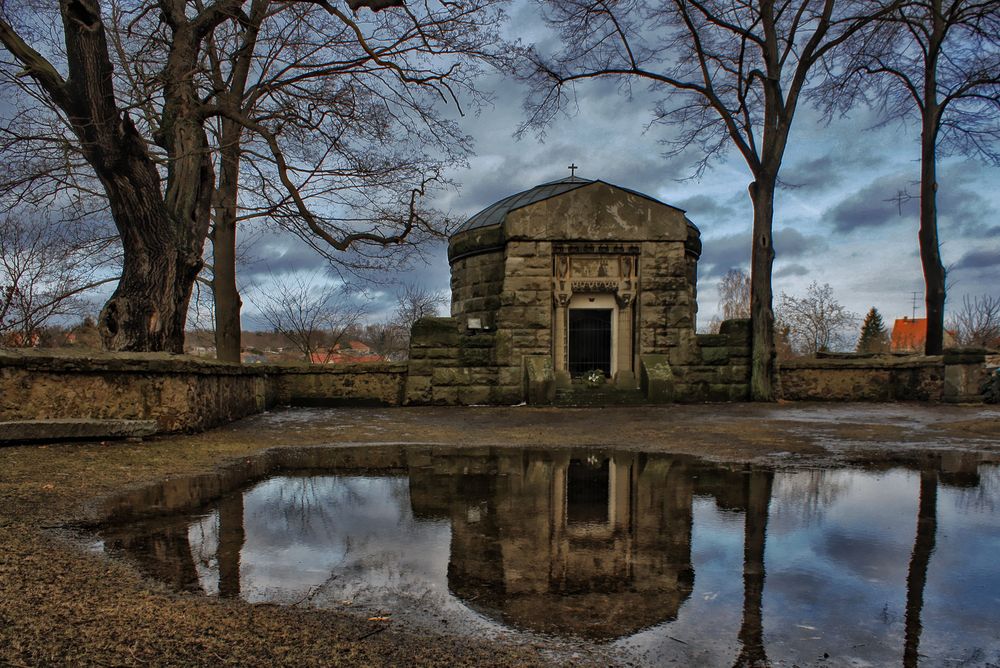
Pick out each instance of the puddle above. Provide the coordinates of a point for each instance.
(646, 558)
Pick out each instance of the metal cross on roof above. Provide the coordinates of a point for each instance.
(572, 170)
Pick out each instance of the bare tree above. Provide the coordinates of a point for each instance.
(391, 338)
(415, 302)
(388, 340)
(938, 61)
(736, 72)
(314, 315)
(977, 323)
(46, 267)
(734, 294)
(816, 322)
(154, 115)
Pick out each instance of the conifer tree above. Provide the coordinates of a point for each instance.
(873, 335)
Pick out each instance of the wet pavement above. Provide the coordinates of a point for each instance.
(696, 535)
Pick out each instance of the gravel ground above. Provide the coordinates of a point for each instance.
(63, 604)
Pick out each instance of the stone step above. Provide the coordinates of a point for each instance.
(581, 395)
(74, 429)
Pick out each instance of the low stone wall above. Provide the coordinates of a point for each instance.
(180, 393)
(373, 384)
(910, 378)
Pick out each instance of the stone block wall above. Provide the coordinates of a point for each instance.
(667, 307)
(525, 315)
(476, 284)
(718, 366)
(452, 366)
(913, 377)
(373, 384)
(180, 393)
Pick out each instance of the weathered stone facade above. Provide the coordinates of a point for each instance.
(570, 277)
(173, 392)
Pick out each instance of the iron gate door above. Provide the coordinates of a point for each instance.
(589, 340)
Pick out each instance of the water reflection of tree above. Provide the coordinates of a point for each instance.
(985, 496)
(916, 577)
(808, 494)
(232, 535)
(758, 498)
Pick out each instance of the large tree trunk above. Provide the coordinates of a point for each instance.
(761, 311)
(149, 308)
(224, 290)
(930, 247)
(930, 254)
(162, 247)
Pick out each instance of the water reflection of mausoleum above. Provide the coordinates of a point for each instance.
(587, 543)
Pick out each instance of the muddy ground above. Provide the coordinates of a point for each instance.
(62, 604)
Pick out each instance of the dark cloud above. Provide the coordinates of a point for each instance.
(281, 254)
(812, 175)
(962, 209)
(721, 254)
(705, 207)
(789, 242)
(886, 201)
(980, 259)
(791, 270)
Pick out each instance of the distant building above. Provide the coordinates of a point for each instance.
(910, 334)
(354, 351)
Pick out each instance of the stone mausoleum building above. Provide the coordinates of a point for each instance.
(565, 279)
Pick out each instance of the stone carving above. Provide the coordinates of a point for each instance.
(625, 263)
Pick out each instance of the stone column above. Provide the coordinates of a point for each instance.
(560, 320)
(625, 376)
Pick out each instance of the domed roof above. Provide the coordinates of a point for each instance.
(496, 212)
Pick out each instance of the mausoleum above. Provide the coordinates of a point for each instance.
(566, 279)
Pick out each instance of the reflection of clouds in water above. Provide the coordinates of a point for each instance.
(327, 540)
(837, 551)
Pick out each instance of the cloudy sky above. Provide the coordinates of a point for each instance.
(836, 220)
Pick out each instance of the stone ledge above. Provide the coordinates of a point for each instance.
(63, 429)
(57, 360)
(352, 368)
(908, 362)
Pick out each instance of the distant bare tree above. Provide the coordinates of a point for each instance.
(415, 302)
(816, 322)
(387, 339)
(734, 294)
(977, 323)
(937, 61)
(732, 75)
(46, 267)
(391, 338)
(314, 315)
